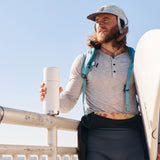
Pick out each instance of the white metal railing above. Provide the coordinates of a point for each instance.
(51, 123)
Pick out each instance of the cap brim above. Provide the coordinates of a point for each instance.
(93, 15)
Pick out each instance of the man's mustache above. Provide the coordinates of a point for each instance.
(103, 28)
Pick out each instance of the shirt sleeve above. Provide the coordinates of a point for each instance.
(69, 97)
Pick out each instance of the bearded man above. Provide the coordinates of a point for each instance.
(108, 131)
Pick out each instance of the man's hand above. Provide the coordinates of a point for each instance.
(43, 91)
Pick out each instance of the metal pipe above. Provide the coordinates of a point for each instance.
(25, 150)
(52, 141)
(20, 117)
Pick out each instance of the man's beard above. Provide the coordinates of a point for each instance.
(111, 35)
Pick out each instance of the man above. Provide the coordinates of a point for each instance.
(108, 131)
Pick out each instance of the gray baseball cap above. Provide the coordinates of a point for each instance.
(111, 9)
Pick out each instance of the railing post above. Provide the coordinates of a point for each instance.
(52, 141)
(14, 157)
(28, 157)
(40, 157)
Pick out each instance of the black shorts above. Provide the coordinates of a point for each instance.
(115, 144)
(101, 138)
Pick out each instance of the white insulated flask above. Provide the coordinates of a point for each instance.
(51, 80)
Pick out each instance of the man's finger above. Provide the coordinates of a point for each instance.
(42, 94)
(60, 89)
(41, 98)
(42, 85)
(43, 90)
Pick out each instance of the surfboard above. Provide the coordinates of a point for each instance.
(147, 79)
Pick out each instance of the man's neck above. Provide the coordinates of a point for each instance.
(108, 46)
(108, 49)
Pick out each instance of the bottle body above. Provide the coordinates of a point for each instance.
(51, 80)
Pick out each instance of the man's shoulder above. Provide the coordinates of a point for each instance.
(78, 61)
(80, 57)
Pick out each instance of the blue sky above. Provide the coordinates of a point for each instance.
(50, 33)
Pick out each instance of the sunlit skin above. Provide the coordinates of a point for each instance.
(103, 25)
(43, 91)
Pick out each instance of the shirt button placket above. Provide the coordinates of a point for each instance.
(114, 67)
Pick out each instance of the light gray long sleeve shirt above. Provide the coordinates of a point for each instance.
(105, 85)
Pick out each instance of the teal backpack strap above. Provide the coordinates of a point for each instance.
(126, 87)
(83, 95)
(87, 63)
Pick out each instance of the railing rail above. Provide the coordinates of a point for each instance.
(51, 123)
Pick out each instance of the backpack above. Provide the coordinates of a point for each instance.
(89, 62)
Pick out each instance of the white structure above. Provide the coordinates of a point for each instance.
(52, 124)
